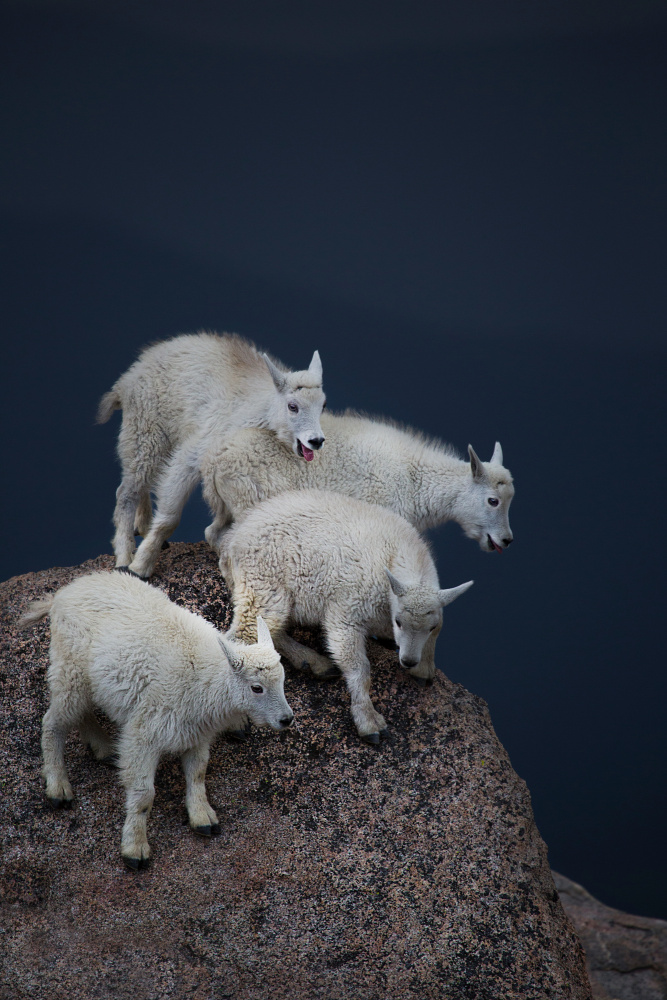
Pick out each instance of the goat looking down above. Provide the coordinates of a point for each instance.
(167, 677)
(369, 459)
(317, 558)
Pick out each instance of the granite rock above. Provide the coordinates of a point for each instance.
(626, 956)
(411, 869)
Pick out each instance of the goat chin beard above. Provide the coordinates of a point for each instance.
(304, 452)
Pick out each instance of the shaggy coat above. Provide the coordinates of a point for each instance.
(372, 460)
(317, 558)
(166, 677)
(185, 395)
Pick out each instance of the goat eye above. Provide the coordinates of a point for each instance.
(494, 501)
(292, 407)
(257, 688)
(397, 622)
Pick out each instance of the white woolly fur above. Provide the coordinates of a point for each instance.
(320, 558)
(179, 397)
(369, 459)
(166, 677)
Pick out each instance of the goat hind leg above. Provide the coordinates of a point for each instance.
(217, 528)
(138, 760)
(304, 658)
(128, 496)
(248, 603)
(173, 492)
(99, 741)
(55, 728)
(144, 514)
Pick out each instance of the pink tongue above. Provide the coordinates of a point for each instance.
(307, 453)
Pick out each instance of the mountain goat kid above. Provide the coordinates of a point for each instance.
(370, 459)
(357, 569)
(178, 397)
(168, 678)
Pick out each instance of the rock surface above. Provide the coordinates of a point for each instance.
(626, 956)
(412, 869)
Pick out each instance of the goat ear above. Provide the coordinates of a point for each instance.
(395, 584)
(447, 596)
(476, 466)
(263, 634)
(315, 367)
(279, 379)
(497, 457)
(229, 648)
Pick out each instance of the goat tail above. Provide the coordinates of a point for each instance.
(109, 402)
(36, 611)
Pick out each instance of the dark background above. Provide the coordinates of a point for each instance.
(463, 209)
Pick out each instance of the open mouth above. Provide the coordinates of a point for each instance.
(493, 545)
(304, 452)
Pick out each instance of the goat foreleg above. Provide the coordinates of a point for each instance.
(348, 649)
(201, 815)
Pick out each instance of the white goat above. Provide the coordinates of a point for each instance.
(371, 460)
(168, 678)
(180, 395)
(312, 558)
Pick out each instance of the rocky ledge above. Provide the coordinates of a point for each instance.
(412, 869)
(626, 956)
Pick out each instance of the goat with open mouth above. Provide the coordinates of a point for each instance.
(494, 545)
(309, 453)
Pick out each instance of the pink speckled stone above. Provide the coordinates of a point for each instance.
(412, 869)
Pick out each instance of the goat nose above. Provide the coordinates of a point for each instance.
(507, 541)
(287, 721)
(409, 663)
(316, 443)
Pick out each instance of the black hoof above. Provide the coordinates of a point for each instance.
(203, 831)
(373, 738)
(108, 761)
(165, 545)
(385, 643)
(130, 572)
(384, 732)
(59, 803)
(330, 674)
(236, 735)
(216, 829)
(135, 864)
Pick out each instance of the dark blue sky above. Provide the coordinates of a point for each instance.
(465, 213)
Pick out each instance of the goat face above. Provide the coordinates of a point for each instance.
(484, 505)
(259, 679)
(416, 613)
(299, 405)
